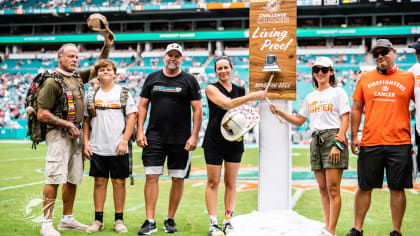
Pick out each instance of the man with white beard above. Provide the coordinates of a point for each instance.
(171, 93)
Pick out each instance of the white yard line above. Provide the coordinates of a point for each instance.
(296, 196)
(22, 159)
(16, 177)
(135, 207)
(198, 184)
(22, 185)
(8, 200)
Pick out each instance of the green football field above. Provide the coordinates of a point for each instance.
(22, 176)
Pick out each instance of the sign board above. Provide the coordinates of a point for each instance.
(272, 27)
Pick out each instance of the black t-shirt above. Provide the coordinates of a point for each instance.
(213, 139)
(170, 107)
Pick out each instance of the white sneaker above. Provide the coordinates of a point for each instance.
(228, 229)
(96, 226)
(214, 230)
(120, 227)
(49, 230)
(73, 225)
(325, 232)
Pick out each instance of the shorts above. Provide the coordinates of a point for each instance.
(214, 158)
(116, 167)
(397, 161)
(64, 161)
(320, 150)
(179, 160)
(417, 139)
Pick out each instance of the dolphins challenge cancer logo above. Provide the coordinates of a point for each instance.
(272, 6)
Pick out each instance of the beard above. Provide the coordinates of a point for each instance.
(172, 65)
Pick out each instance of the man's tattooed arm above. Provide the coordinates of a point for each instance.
(45, 116)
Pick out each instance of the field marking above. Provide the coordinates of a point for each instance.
(135, 207)
(16, 177)
(296, 196)
(22, 159)
(197, 184)
(413, 191)
(22, 185)
(8, 200)
(17, 141)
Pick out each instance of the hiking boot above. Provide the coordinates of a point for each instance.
(49, 230)
(395, 233)
(215, 230)
(120, 227)
(354, 232)
(228, 228)
(73, 225)
(169, 226)
(147, 228)
(96, 226)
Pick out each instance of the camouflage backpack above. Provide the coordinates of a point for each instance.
(91, 100)
(36, 129)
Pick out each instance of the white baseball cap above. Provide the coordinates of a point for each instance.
(238, 121)
(173, 46)
(323, 61)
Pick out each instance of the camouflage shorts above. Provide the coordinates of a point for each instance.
(320, 149)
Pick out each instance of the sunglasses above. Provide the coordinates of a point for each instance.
(323, 69)
(382, 53)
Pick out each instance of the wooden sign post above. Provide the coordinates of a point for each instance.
(272, 63)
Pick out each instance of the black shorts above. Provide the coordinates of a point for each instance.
(417, 139)
(213, 158)
(115, 167)
(397, 161)
(179, 160)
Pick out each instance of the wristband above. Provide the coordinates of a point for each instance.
(338, 144)
(124, 141)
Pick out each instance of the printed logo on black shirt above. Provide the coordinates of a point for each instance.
(167, 89)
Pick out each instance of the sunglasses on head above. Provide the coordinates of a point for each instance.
(382, 53)
(323, 69)
(223, 57)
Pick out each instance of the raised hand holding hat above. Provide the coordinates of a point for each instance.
(98, 22)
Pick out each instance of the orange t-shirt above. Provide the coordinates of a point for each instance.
(386, 99)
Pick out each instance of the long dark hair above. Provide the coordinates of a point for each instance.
(332, 81)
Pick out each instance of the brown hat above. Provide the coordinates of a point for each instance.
(382, 43)
(415, 45)
(98, 22)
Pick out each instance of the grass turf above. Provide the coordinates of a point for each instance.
(20, 165)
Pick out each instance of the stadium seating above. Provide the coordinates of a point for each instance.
(132, 72)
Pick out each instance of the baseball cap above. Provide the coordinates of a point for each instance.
(415, 45)
(323, 61)
(382, 43)
(174, 46)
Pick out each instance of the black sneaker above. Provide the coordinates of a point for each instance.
(395, 233)
(169, 226)
(354, 232)
(147, 228)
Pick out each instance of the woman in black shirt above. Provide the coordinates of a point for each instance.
(221, 96)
